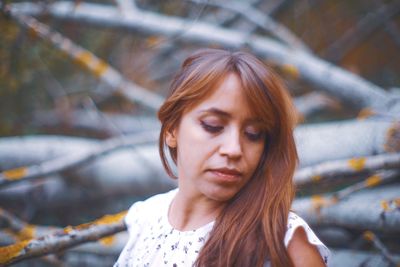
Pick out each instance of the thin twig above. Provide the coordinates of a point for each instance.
(371, 237)
(352, 37)
(14, 223)
(392, 28)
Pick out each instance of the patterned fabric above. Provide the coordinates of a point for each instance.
(154, 242)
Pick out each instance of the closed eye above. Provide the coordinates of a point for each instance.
(211, 128)
(254, 136)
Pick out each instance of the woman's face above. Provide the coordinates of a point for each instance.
(219, 144)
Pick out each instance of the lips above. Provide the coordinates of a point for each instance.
(227, 174)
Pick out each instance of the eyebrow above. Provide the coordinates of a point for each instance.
(225, 114)
(216, 111)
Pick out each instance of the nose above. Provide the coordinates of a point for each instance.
(231, 144)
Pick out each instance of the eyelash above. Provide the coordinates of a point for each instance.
(210, 128)
(254, 137)
(215, 129)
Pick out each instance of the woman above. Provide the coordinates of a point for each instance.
(228, 126)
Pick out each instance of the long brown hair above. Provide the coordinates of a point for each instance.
(252, 225)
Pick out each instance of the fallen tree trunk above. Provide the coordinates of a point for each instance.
(344, 85)
(69, 237)
(94, 64)
(318, 143)
(17, 230)
(73, 161)
(363, 210)
(138, 171)
(91, 122)
(108, 125)
(315, 143)
(313, 103)
(348, 167)
(351, 258)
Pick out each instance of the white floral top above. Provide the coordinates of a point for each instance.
(154, 242)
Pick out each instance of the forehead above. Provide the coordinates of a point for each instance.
(227, 99)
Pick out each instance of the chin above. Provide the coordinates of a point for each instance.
(221, 194)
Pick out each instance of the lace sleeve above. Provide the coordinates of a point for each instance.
(294, 221)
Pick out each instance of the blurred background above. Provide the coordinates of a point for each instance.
(81, 81)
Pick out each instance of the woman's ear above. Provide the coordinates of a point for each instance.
(170, 139)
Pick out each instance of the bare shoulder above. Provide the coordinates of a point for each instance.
(302, 252)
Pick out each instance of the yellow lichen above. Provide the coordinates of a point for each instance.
(68, 229)
(318, 201)
(153, 40)
(357, 163)
(15, 174)
(107, 219)
(373, 181)
(8, 253)
(365, 113)
(316, 178)
(368, 235)
(385, 205)
(28, 232)
(292, 70)
(107, 241)
(99, 68)
(86, 59)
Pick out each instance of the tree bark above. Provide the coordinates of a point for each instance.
(105, 226)
(362, 210)
(338, 82)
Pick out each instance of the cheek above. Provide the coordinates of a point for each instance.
(254, 156)
(193, 147)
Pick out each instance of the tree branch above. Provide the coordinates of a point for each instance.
(314, 102)
(263, 21)
(74, 160)
(361, 210)
(346, 167)
(394, 32)
(95, 65)
(362, 29)
(371, 237)
(88, 121)
(370, 181)
(351, 257)
(346, 86)
(69, 237)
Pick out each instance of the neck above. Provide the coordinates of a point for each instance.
(188, 212)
